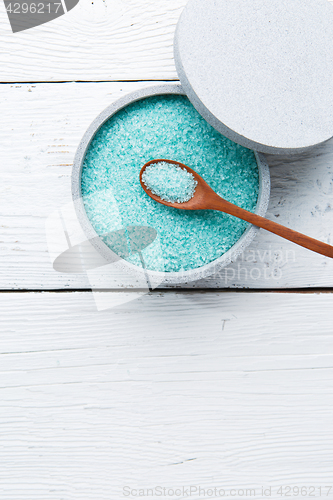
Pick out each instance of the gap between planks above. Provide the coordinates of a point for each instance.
(143, 80)
(191, 291)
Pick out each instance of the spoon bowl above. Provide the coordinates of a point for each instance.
(202, 191)
(204, 198)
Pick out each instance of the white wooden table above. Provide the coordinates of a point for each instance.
(224, 383)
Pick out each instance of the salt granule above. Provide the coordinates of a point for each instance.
(170, 182)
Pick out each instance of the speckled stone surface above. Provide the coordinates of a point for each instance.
(260, 71)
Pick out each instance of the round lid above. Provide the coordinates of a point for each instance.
(260, 71)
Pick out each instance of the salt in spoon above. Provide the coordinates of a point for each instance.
(204, 198)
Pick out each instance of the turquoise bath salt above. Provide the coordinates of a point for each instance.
(166, 126)
(170, 182)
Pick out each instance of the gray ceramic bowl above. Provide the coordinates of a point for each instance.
(107, 253)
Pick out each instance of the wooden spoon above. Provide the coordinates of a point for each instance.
(205, 198)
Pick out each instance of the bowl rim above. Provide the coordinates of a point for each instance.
(174, 277)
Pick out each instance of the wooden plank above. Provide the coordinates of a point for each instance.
(98, 40)
(176, 389)
(41, 128)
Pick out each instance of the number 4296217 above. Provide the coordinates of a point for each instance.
(33, 8)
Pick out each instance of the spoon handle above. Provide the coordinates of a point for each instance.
(289, 234)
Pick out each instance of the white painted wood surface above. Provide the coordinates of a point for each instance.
(41, 127)
(97, 40)
(175, 389)
(228, 389)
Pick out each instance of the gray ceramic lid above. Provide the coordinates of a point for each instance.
(260, 71)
